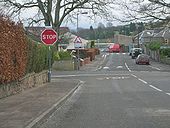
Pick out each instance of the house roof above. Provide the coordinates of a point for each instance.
(165, 33)
(71, 44)
(35, 32)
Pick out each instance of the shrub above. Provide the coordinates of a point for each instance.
(154, 46)
(165, 52)
(56, 56)
(38, 57)
(13, 50)
(18, 54)
(62, 55)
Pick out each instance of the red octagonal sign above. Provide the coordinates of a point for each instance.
(49, 37)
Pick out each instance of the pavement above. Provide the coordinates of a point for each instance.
(95, 64)
(31, 107)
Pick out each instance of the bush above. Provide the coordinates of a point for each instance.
(62, 55)
(18, 54)
(37, 57)
(165, 52)
(154, 46)
(13, 50)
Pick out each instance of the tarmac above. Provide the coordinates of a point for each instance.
(32, 107)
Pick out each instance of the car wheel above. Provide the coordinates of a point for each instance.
(147, 63)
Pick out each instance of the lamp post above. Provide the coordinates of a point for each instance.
(78, 52)
(137, 26)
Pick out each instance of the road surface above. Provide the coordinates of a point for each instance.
(117, 93)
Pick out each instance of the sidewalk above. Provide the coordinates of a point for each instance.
(32, 106)
(94, 64)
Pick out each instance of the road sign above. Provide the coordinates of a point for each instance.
(49, 36)
(77, 42)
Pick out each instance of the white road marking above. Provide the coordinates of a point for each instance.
(155, 68)
(105, 56)
(155, 88)
(113, 78)
(124, 53)
(117, 53)
(105, 67)
(127, 67)
(168, 94)
(63, 76)
(142, 81)
(88, 75)
(133, 75)
(119, 67)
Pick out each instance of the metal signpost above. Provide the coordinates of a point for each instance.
(78, 45)
(49, 37)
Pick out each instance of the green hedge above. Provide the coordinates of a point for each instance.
(37, 57)
(165, 52)
(154, 46)
(62, 55)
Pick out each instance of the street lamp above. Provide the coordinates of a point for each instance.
(137, 26)
(78, 52)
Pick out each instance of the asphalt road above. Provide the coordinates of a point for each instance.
(117, 93)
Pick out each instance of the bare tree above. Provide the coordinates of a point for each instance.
(53, 12)
(145, 10)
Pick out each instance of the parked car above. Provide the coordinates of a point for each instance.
(136, 52)
(114, 48)
(142, 59)
(104, 50)
(130, 52)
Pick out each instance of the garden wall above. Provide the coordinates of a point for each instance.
(29, 81)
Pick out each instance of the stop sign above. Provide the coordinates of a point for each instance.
(49, 37)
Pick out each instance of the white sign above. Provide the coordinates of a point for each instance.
(78, 42)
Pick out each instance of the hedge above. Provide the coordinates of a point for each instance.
(18, 54)
(165, 52)
(37, 57)
(62, 55)
(13, 50)
(154, 46)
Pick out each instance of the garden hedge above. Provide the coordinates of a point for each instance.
(18, 54)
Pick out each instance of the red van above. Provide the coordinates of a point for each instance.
(114, 48)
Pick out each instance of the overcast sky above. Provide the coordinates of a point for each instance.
(84, 20)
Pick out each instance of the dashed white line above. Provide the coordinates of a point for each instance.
(168, 94)
(133, 75)
(127, 67)
(142, 81)
(155, 88)
(155, 68)
(105, 57)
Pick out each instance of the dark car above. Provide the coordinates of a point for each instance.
(142, 59)
(136, 52)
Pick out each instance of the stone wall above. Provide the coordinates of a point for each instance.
(29, 81)
(165, 60)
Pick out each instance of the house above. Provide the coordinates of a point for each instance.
(71, 45)
(163, 36)
(146, 36)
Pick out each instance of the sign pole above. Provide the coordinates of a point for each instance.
(49, 61)
(49, 37)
